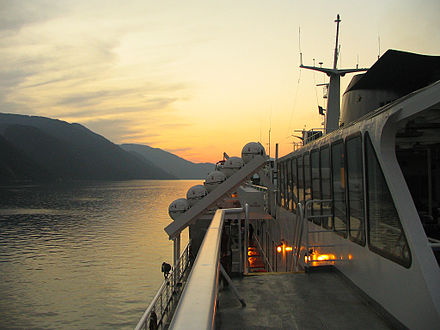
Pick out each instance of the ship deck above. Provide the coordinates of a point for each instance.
(315, 300)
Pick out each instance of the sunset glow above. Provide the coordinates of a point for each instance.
(195, 78)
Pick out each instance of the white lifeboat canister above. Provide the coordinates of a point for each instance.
(251, 150)
(195, 194)
(178, 207)
(214, 179)
(232, 165)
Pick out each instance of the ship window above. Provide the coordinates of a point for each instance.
(338, 175)
(316, 188)
(385, 234)
(286, 184)
(280, 194)
(326, 193)
(307, 178)
(300, 180)
(283, 167)
(294, 183)
(289, 184)
(355, 187)
(281, 183)
(278, 185)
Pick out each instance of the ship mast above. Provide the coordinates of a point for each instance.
(334, 94)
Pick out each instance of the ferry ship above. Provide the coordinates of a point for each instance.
(343, 232)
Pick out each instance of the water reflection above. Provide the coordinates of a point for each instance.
(83, 256)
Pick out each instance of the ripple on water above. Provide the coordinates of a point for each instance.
(83, 256)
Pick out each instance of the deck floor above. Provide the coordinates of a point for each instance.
(316, 300)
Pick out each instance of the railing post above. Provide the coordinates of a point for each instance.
(246, 238)
(176, 242)
(306, 224)
(165, 293)
(300, 230)
(239, 244)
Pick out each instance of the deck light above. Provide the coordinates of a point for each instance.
(316, 257)
(284, 248)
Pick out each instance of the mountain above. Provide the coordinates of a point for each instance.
(16, 166)
(46, 149)
(178, 167)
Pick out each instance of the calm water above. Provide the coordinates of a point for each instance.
(85, 256)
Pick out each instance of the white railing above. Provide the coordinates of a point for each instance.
(163, 303)
(433, 242)
(197, 305)
(266, 260)
(302, 228)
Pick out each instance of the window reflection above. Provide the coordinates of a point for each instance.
(386, 236)
(338, 172)
(355, 189)
(326, 186)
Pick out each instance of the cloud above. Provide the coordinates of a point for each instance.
(113, 129)
(175, 125)
(16, 14)
(174, 150)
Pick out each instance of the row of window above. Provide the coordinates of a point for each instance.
(360, 195)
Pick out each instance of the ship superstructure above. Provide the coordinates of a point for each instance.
(361, 204)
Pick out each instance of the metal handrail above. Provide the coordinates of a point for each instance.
(433, 242)
(306, 219)
(298, 234)
(303, 221)
(197, 305)
(161, 303)
(264, 255)
(256, 187)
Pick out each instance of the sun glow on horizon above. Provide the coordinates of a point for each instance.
(195, 78)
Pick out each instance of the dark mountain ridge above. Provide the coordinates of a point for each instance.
(175, 165)
(41, 149)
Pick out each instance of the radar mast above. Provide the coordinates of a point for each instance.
(334, 93)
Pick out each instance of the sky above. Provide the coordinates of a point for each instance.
(196, 78)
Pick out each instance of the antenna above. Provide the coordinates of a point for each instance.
(335, 60)
(333, 99)
(269, 141)
(299, 46)
(270, 127)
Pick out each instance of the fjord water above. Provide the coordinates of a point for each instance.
(84, 255)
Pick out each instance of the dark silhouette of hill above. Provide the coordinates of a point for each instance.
(16, 166)
(71, 151)
(179, 167)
